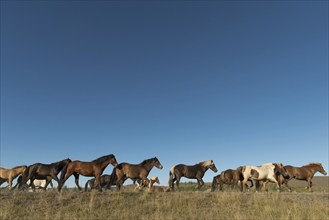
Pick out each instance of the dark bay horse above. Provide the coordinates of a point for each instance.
(196, 171)
(134, 171)
(43, 172)
(10, 174)
(229, 177)
(93, 168)
(305, 172)
(105, 182)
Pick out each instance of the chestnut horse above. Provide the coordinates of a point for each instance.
(93, 168)
(196, 171)
(305, 172)
(43, 172)
(229, 177)
(134, 171)
(10, 174)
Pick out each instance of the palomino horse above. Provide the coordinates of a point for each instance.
(10, 174)
(105, 182)
(196, 171)
(134, 171)
(305, 172)
(266, 172)
(43, 171)
(229, 177)
(93, 168)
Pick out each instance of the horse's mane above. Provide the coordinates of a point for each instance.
(313, 163)
(205, 163)
(103, 158)
(146, 161)
(59, 161)
(19, 166)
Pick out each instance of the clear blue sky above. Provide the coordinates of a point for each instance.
(242, 82)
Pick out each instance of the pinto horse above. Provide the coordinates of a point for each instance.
(196, 171)
(265, 173)
(134, 171)
(229, 177)
(39, 183)
(10, 174)
(93, 168)
(305, 172)
(43, 172)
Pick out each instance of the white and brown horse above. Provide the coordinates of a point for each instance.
(196, 171)
(266, 173)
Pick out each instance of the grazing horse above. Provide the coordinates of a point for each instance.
(196, 171)
(93, 168)
(44, 172)
(229, 177)
(10, 174)
(134, 171)
(105, 182)
(266, 172)
(305, 172)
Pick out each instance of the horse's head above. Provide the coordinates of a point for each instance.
(212, 166)
(157, 163)
(280, 169)
(320, 169)
(113, 161)
(155, 179)
(67, 160)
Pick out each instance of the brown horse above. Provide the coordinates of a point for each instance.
(94, 168)
(43, 172)
(196, 171)
(305, 172)
(229, 177)
(134, 171)
(10, 174)
(105, 182)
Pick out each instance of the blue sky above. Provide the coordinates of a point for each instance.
(239, 82)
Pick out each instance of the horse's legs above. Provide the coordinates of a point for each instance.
(61, 182)
(76, 176)
(98, 182)
(10, 182)
(309, 181)
(177, 181)
(200, 183)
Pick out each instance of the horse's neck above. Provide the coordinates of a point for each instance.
(148, 167)
(314, 169)
(204, 168)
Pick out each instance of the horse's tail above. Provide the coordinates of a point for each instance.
(113, 177)
(214, 183)
(171, 177)
(61, 179)
(86, 185)
(23, 178)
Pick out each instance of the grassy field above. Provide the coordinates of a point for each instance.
(187, 204)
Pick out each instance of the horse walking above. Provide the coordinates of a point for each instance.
(265, 173)
(43, 172)
(93, 168)
(105, 182)
(305, 172)
(8, 175)
(196, 171)
(134, 171)
(229, 177)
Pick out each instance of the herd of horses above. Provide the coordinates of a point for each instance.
(28, 176)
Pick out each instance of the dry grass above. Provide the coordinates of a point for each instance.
(177, 205)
